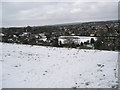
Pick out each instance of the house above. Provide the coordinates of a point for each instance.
(1, 34)
(69, 39)
(43, 37)
(75, 39)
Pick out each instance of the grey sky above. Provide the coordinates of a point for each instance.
(45, 13)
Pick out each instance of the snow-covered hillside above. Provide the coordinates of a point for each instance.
(0, 66)
(26, 66)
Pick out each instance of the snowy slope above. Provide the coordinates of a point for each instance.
(0, 75)
(26, 66)
(0, 66)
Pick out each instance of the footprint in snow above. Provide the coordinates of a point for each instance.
(87, 83)
(74, 87)
(45, 72)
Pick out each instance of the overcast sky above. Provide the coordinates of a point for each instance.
(48, 13)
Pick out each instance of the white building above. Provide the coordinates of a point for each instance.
(75, 39)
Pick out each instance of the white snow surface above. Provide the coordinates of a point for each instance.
(0, 66)
(26, 66)
(0, 74)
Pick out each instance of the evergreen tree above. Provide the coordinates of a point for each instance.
(81, 43)
(98, 44)
(92, 41)
(60, 44)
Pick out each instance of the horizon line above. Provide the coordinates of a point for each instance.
(77, 22)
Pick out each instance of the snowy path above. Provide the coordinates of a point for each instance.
(26, 66)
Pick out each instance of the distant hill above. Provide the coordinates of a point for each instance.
(75, 23)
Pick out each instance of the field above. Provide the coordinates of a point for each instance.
(26, 66)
